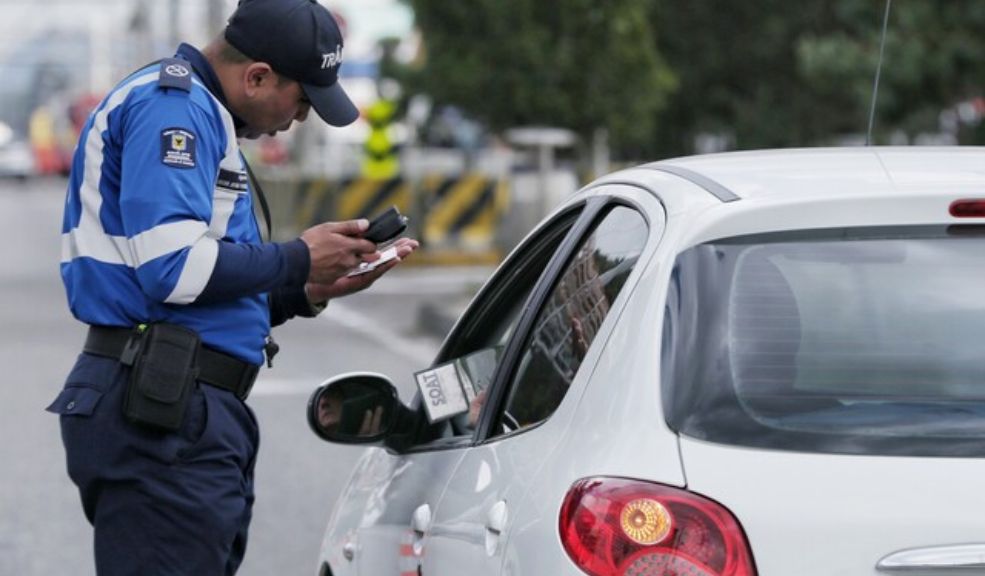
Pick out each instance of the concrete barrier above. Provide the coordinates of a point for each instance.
(457, 219)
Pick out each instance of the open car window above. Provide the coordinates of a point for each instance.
(568, 322)
(473, 352)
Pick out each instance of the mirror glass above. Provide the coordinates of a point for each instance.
(353, 409)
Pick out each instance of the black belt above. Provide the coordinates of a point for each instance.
(214, 368)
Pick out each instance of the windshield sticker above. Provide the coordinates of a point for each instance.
(443, 393)
(450, 388)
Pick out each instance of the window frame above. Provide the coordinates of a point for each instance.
(581, 217)
(498, 390)
(463, 334)
(486, 431)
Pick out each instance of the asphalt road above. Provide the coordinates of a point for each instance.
(42, 528)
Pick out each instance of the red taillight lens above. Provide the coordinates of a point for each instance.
(969, 208)
(617, 527)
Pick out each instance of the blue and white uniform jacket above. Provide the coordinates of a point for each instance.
(159, 223)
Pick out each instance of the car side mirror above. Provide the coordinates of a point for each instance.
(354, 408)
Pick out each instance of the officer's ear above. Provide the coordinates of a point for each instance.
(258, 75)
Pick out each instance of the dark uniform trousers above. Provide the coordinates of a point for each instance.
(160, 503)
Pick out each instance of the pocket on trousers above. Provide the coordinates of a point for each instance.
(195, 424)
(76, 401)
(90, 379)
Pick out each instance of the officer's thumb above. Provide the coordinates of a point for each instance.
(349, 227)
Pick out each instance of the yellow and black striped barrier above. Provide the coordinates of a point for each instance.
(323, 200)
(462, 214)
(456, 218)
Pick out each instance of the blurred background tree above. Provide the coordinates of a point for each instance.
(668, 78)
(774, 73)
(577, 64)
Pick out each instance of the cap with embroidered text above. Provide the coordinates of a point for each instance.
(301, 40)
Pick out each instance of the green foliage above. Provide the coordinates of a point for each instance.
(776, 73)
(659, 73)
(579, 64)
(739, 71)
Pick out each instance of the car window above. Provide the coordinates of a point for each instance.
(475, 347)
(853, 341)
(567, 324)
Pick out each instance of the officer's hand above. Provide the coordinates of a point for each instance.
(336, 248)
(320, 292)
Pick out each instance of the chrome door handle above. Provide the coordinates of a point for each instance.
(495, 524)
(349, 551)
(420, 523)
(955, 557)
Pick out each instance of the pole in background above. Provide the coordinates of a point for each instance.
(215, 18)
(875, 85)
(140, 36)
(174, 23)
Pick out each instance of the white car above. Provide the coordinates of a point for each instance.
(757, 363)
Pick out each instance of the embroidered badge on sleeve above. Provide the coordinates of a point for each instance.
(178, 148)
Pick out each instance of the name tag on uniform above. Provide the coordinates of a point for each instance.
(232, 180)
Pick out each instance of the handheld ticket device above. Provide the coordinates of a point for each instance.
(386, 226)
(382, 229)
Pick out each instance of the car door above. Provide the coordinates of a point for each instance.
(382, 519)
(372, 528)
(546, 362)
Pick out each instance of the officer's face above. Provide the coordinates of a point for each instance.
(275, 102)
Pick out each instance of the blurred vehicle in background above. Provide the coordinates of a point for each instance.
(18, 100)
(16, 155)
(705, 365)
(44, 100)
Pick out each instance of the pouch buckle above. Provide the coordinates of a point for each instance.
(132, 347)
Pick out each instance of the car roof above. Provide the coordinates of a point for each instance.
(821, 172)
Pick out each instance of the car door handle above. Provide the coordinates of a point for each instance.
(495, 525)
(420, 523)
(349, 551)
(955, 557)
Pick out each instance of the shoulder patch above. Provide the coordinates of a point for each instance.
(175, 73)
(178, 148)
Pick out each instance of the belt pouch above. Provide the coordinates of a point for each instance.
(164, 370)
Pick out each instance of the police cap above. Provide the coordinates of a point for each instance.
(301, 40)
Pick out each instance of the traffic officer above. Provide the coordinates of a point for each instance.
(162, 257)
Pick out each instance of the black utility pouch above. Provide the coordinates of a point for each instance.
(164, 366)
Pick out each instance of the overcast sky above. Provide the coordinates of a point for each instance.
(108, 22)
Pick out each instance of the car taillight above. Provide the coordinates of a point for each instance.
(968, 208)
(618, 527)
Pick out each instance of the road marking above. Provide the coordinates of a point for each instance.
(418, 351)
(431, 281)
(283, 386)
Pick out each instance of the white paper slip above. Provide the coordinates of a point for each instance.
(442, 392)
(385, 256)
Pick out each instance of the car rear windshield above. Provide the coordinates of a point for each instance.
(841, 341)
